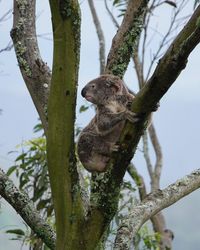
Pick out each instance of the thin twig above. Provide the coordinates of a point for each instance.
(163, 42)
(159, 157)
(8, 47)
(111, 15)
(100, 36)
(138, 179)
(6, 16)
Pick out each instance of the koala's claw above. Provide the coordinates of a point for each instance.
(155, 108)
(132, 117)
(115, 148)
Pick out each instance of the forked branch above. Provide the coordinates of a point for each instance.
(24, 206)
(154, 203)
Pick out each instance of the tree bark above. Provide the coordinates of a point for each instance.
(25, 207)
(154, 203)
(126, 38)
(73, 232)
(34, 70)
(106, 187)
(61, 117)
(100, 36)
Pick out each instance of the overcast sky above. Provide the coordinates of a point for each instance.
(177, 121)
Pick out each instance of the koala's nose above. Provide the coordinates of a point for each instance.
(83, 92)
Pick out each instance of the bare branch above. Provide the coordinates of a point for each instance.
(146, 155)
(138, 179)
(170, 66)
(138, 68)
(35, 72)
(25, 208)
(100, 36)
(159, 157)
(158, 220)
(164, 40)
(6, 16)
(154, 203)
(8, 47)
(111, 15)
(104, 194)
(126, 38)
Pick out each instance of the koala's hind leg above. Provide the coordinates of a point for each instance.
(94, 152)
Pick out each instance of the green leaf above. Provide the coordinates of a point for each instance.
(21, 157)
(83, 108)
(11, 170)
(23, 180)
(43, 203)
(37, 128)
(15, 231)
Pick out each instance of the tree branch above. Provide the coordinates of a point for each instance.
(126, 38)
(106, 187)
(111, 15)
(146, 155)
(61, 116)
(35, 72)
(170, 66)
(138, 179)
(159, 158)
(24, 206)
(168, 69)
(100, 36)
(154, 203)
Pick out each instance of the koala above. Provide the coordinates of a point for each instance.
(166, 239)
(98, 139)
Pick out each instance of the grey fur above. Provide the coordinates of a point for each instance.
(98, 139)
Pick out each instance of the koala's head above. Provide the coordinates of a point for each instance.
(101, 89)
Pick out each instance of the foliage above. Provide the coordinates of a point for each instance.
(30, 168)
(121, 5)
(147, 240)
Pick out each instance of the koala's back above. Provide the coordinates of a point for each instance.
(91, 146)
(98, 139)
(94, 144)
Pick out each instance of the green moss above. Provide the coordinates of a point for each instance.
(198, 22)
(65, 8)
(68, 9)
(20, 23)
(22, 5)
(20, 49)
(127, 48)
(105, 194)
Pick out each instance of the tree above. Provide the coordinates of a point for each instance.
(78, 226)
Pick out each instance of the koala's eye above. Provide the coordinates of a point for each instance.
(93, 86)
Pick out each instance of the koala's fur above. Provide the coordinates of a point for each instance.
(98, 139)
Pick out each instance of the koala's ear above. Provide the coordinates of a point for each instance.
(117, 86)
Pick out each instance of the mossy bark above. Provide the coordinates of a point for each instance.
(61, 117)
(34, 70)
(106, 187)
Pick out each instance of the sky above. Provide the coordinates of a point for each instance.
(177, 121)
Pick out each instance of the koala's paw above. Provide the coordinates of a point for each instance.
(155, 108)
(115, 148)
(129, 104)
(132, 117)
